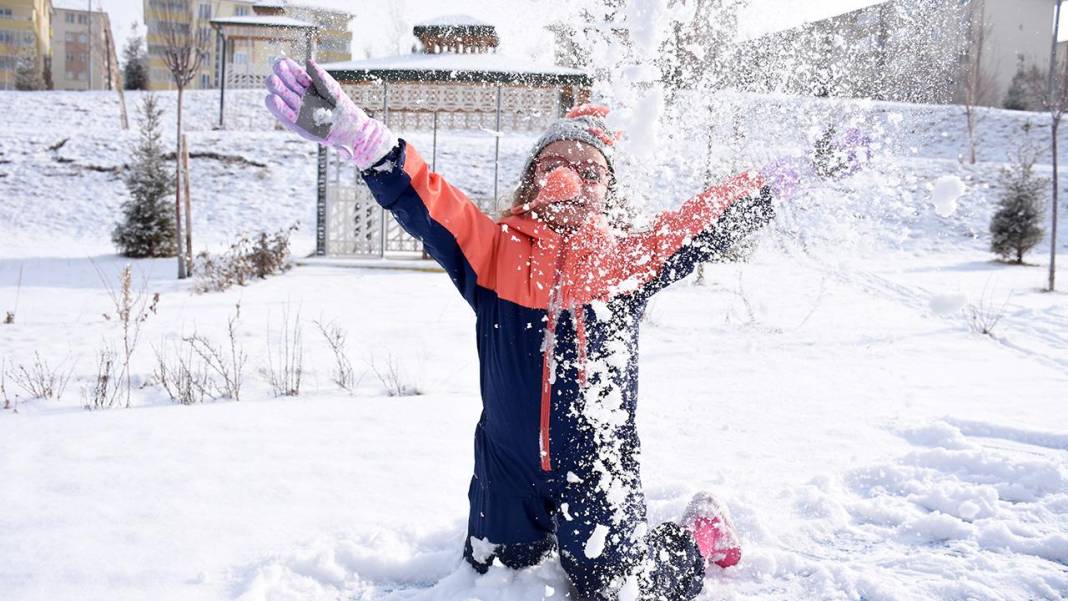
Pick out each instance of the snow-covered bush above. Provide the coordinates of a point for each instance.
(251, 256)
(1016, 226)
(147, 226)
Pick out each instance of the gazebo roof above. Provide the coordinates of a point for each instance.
(446, 66)
(264, 21)
(453, 21)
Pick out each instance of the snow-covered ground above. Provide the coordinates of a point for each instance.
(869, 444)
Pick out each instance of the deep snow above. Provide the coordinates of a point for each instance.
(868, 443)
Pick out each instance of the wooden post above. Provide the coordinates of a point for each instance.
(179, 241)
(188, 208)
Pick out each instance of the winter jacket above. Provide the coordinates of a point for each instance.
(555, 320)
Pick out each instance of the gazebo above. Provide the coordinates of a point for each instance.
(456, 86)
(267, 32)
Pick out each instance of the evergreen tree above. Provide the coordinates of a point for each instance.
(1016, 226)
(27, 76)
(147, 228)
(1019, 96)
(134, 71)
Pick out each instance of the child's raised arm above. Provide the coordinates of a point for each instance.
(454, 231)
(704, 226)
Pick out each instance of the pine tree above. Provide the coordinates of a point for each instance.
(1019, 96)
(134, 72)
(1016, 226)
(147, 229)
(27, 76)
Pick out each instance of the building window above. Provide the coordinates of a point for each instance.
(205, 81)
(204, 11)
(7, 37)
(83, 19)
(240, 11)
(70, 17)
(5, 13)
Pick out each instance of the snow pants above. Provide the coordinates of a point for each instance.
(603, 550)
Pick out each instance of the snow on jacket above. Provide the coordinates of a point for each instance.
(557, 317)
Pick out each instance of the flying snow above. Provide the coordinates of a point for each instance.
(947, 190)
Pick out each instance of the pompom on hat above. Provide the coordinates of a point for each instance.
(583, 123)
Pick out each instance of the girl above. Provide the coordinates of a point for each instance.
(558, 293)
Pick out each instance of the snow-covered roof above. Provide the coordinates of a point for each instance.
(81, 5)
(446, 66)
(265, 21)
(485, 67)
(454, 20)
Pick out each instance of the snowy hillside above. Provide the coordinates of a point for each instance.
(868, 442)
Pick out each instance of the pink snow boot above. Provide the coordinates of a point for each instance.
(710, 523)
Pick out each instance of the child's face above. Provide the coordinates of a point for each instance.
(592, 168)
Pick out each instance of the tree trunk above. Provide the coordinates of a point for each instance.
(178, 192)
(188, 208)
(1053, 228)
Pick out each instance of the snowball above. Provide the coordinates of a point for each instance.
(947, 189)
(947, 304)
(595, 544)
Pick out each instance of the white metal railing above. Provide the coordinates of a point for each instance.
(354, 223)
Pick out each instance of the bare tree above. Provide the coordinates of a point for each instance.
(186, 45)
(977, 86)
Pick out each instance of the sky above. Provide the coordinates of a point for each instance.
(519, 22)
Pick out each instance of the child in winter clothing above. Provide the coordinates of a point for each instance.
(558, 294)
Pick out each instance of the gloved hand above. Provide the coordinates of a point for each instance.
(312, 104)
(841, 155)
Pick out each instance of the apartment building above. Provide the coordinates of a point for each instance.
(908, 50)
(25, 35)
(334, 38)
(83, 49)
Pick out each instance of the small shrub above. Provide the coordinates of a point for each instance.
(183, 374)
(40, 380)
(982, 317)
(6, 400)
(342, 373)
(133, 307)
(285, 356)
(1016, 226)
(227, 364)
(104, 392)
(393, 378)
(251, 256)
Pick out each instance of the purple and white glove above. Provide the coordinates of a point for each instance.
(834, 156)
(312, 104)
(841, 155)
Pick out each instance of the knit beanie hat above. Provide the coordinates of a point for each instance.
(583, 123)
